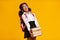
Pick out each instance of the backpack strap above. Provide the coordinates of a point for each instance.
(32, 14)
(25, 15)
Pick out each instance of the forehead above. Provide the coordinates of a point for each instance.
(24, 5)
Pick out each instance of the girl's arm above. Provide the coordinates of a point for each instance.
(26, 22)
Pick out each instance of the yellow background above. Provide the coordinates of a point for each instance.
(47, 13)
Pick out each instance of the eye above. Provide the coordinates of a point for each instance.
(25, 7)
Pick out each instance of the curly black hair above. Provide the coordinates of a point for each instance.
(21, 8)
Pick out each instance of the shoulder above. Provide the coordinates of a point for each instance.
(24, 14)
(32, 13)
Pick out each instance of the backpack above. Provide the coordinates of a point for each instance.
(23, 24)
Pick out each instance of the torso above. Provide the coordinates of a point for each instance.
(30, 16)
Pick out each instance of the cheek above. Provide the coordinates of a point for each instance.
(25, 9)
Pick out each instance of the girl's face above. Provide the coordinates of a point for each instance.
(25, 8)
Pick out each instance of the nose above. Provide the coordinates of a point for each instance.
(25, 7)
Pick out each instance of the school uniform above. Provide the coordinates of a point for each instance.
(30, 22)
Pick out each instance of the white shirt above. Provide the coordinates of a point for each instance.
(29, 17)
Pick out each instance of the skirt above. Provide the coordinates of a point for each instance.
(26, 32)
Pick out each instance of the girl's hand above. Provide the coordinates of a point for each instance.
(31, 34)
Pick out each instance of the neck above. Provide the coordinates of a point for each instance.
(26, 11)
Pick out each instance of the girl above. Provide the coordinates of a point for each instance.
(29, 20)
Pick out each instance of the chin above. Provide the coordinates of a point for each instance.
(26, 11)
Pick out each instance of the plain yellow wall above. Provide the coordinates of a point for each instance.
(47, 13)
